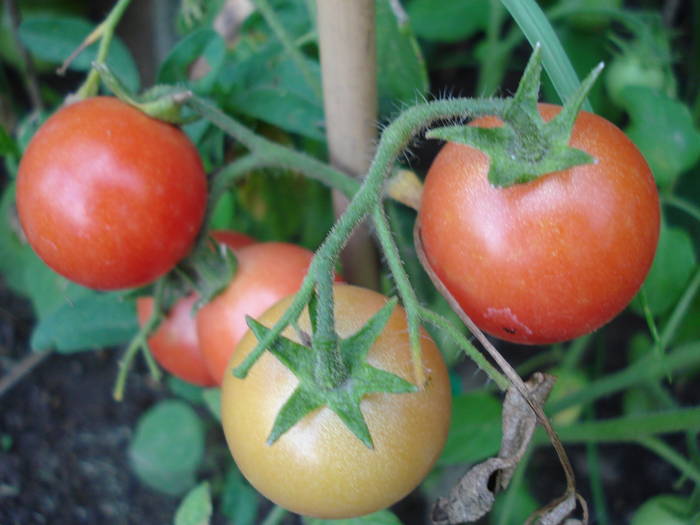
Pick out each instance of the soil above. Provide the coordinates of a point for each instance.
(64, 440)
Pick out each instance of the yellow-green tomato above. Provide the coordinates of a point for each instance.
(319, 468)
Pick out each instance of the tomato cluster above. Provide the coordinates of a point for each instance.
(111, 198)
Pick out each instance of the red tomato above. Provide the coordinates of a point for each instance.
(174, 344)
(266, 273)
(552, 259)
(109, 197)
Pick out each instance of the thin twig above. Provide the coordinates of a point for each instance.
(509, 372)
(26, 365)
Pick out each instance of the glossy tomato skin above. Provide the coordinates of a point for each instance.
(548, 260)
(266, 273)
(174, 344)
(319, 468)
(109, 197)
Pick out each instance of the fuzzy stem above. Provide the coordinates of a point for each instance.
(406, 291)
(394, 139)
(139, 342)
(106, 29)
(273, 155)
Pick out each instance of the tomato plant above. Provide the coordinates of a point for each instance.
(551, 259)
(319, 468)
(174, 344)
(109, 197)
(266, 273)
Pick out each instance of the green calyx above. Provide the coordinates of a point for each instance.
(526, 147)
(208, 269)
(164, 103)
(354, 376)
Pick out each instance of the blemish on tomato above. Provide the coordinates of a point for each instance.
(508, 321)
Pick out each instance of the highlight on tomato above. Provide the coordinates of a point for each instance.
(109, 197)
(548, 260)
(174, 344)
(319, 467)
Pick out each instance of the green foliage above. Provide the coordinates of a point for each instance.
(167, 447)
(53, 38)
(196, 507)
(448, 21)
(383, 517)
(239, 501)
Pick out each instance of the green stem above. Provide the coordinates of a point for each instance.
(646, 369)
(406, 291)
(443, 324)
(682, 204)
(107, 27)
(140, 342)
(574, 353)
(668, 454)
(275, 155)
(678, 314)
(281, 33)
(628, 428)
(275, 516)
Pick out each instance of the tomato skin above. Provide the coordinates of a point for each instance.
(174, 344)
(109, 197)
(548, 260)
(266, 273)
(319, 468)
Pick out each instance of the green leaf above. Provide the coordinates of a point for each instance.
(537, 29)
(402, 76)
(269, 86)
(196, 507)
(205, 43)
(24, 272)
(673, 264)
(53, 38)
(239, 501)
(96, 320)
(475, 430)
(168, 447)
(448, 21)
(187, 391)
(383, 517)
(8, 147)
(212, 399)
(663, 129)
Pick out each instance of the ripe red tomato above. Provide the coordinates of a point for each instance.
(109, 197)
(319, 468)
(266, 273)
(551, 259)
(174, 344)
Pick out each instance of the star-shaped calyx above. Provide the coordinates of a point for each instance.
(526, 147)
(354, 376)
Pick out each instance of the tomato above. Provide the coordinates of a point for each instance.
(266, 273)
(174, 344)
(551, 259)
(109, 197)
(319, 468)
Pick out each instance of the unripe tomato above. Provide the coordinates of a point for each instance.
(174, 344)
(319, 468)
(266, 273)
(109, 197)
(551, 259)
